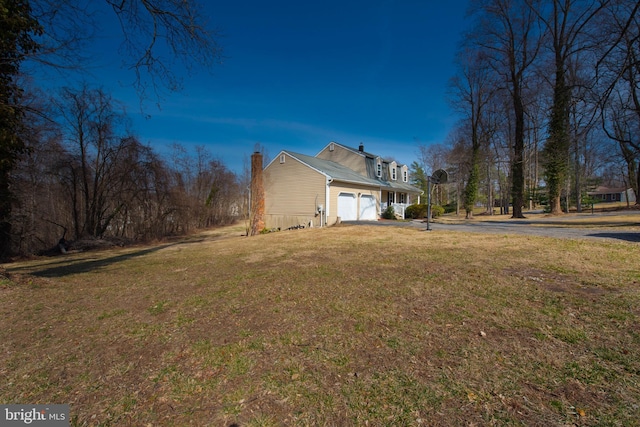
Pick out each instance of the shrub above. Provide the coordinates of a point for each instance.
(436, 211)
(450, 207)
(420, 211)
(415, 211)
(389, 213)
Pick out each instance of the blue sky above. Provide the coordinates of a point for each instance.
(297, 75)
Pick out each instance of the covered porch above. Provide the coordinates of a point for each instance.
(399, 200)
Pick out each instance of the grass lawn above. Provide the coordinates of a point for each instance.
(350, 325)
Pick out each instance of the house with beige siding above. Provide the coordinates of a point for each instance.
(338, 184)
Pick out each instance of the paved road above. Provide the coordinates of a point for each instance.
(538, 225)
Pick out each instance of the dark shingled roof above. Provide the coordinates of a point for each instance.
(338, 172)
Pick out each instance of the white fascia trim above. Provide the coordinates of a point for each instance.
(343, 146)
(326, 147)
(276, 157)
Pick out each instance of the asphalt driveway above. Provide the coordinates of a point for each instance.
(571, 226)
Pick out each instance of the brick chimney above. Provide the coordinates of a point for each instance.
(256, 215)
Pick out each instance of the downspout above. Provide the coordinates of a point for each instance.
(327, 198)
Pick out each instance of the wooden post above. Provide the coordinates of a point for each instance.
(256, 215)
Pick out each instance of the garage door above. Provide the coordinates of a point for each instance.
(368, 209)
(347, 208)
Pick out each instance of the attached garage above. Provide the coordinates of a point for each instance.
(368, 211)
(347, 207)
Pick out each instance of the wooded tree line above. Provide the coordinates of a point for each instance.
(70, 166)
(548, 92)
(86, 175)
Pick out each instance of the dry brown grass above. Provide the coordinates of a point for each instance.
(341, 326)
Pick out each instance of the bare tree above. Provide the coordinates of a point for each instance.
(39, 215)
(459, 161)
(583, 115)
(157, 36)
(99, 163)
(224, 197)
(88, 176)
(151, 27)
(619, 74)
(537, 119)
(153, 213)
(500, 151)
(473, 88)
(509, 33)
(160, 38)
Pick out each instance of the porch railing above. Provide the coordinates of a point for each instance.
(398, 208)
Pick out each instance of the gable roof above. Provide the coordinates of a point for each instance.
(333, 170)
(608, 190)
(388, 185)
(365, 154)
(338, 172)
(354, 150)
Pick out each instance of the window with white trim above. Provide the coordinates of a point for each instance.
(379, 169)
(282, 156)
(393, 173)
(405, 175)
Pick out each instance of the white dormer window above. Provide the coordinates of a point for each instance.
(405, 174)
(332, 146)
(393, 167)
(282, 156)
(379, 169)
(393, 174)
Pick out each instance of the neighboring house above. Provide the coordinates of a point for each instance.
(606, 194)
(339, 183)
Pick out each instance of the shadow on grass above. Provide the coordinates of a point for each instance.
(571, 223)
(629, 237)
(66, 267)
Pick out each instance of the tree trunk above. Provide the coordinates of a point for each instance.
(5, 215)
(637, 186)
(578, 187)
(517, 167)
(471, 190)
(557, 145)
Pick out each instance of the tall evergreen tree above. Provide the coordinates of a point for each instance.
(418, 177)
(18, 32)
